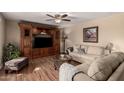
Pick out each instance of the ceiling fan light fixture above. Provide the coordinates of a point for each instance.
(58, 20)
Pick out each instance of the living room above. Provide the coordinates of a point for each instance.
(108, 27)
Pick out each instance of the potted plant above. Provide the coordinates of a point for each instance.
(10, 52)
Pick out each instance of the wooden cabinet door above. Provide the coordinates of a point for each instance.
(36, 53)
(27, 52)
(26, 43)
(41, 52)
(45, 52)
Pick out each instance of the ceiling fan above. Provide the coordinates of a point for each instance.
(58, 18)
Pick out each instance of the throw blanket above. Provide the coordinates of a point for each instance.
(14, 62)
(66, 72)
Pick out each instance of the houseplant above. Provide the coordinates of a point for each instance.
(10, 52)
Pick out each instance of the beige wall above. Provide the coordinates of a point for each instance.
(111, 29)
(12, 32)
(2, 36)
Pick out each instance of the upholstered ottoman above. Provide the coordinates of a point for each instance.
(16, 64)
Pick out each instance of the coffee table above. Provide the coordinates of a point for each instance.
(60, 60)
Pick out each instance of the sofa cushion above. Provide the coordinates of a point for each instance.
(89, 57)
(75, 54)
(94, 50)
(83, 57)
(83, 67)
(103, 67)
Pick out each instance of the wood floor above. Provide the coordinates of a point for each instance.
(41, 69)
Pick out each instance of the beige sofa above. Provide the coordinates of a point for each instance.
(87, 53)
(110, 67)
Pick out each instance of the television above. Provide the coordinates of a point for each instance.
(42, 42)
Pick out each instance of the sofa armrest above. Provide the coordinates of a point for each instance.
(66, 72)
(81, 76)
(118, 74)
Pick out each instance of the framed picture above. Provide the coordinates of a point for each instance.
(90, 34)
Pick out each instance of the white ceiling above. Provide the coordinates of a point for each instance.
(40, 17)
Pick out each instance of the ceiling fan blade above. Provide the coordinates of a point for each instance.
(65, 15)
(49, 19)
(66, 19)
(50, 15)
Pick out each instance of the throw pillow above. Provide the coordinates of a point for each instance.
(81, 51)
(69, 49)
(85, 47)
(75, 49)
(106, 52)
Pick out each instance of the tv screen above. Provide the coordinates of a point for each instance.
(42, 42)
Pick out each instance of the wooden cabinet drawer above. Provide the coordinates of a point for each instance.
(36, 53)
(44, 51)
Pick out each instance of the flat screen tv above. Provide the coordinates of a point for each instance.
(42, 42)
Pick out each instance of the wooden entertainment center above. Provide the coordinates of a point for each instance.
(30, 30)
